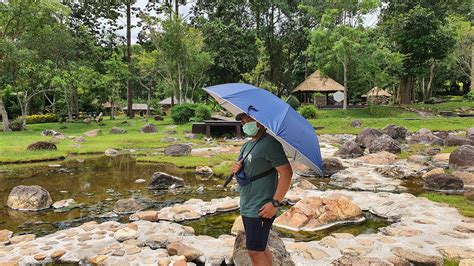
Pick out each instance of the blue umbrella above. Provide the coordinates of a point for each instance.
(293, 131)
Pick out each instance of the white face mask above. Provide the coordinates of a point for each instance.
(250, 128)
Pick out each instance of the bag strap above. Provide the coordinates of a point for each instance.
(243, 159)
(262, 175)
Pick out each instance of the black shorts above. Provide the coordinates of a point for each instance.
(257, 231)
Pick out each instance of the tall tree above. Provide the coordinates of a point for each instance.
(416, 30)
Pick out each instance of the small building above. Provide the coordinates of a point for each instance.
(378, 96)
(165, 104)
(315, 83)
(138, 109)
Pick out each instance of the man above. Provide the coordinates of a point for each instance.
(260, 199)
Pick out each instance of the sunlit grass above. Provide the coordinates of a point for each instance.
(465, 206)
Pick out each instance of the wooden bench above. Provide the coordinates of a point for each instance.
(221, 125)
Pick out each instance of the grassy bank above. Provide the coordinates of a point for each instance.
(465, 206)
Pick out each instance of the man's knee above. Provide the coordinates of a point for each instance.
(255, 255)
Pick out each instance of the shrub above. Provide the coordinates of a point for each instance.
(293, 102)
(308, 111)
(470, 96)
(201, 113)
(47, 118)
(16, 124)
(182, 113)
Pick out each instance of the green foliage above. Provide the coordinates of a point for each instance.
(201, 113)
(182, 113)
(16, 125)
(469, 96)
(259, 74)
(308, 111)
(293, 102)
(47, 118)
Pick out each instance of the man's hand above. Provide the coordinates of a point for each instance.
(267, 210)
(236, 166)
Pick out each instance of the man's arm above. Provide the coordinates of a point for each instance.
(284, 182)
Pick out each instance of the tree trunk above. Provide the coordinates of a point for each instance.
(346, 69)
(23, 111)
(405, 90)
(75, 99)
(3, 112)
(112, 109)
(68, 105)
(129, 60)
(148, 104)
(472, 68)
(428, 87)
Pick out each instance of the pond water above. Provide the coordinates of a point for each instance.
(95, 182)
(219, 224)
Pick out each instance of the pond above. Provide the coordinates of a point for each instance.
(96, 183)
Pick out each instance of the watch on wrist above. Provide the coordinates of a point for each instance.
(275, 203)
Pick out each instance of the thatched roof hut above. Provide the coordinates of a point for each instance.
(316, 83)
(376, 91)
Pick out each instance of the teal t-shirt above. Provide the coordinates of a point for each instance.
(267, 153)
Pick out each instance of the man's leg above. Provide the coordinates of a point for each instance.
(258, 258)
(268, 255)
(257, 231)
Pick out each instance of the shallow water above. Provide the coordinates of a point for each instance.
(97, 182)
(219, 224)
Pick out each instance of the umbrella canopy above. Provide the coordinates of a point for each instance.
(293, 131)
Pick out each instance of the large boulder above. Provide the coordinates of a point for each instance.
(395, 132)
(457, 141)
(350, 149)
(280, 256)
(443, 182)
(367, 135)
(149, 128)
(41, 145)
(178, 150)
(462, 158)
(118, 130)
(470, 133)
(426, 136)
(332, 166)
(160, 180)
(314, 213)
(129, 205)
(384, 143)
(29, 198)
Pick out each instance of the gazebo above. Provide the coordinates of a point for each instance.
(316, 83)
(378, 96)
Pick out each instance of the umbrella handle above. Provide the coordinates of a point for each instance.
(228, 179)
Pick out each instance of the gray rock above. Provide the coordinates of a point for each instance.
(190, 136)
(41, 145)
(441, 134)
(118, 130)
(418, 159)
(462, 158)
(111, 152)
(443, 182)
(457, 141)
(426, 136)
(470, 133)
(395, 132)
(171, 132)
(178, 150)
(125, 206)
(63, 203)
(431, 151)
(169, 139)
(332, 166)
(125, 234)
(384, 143)
(29, 198)
(93, 133)
(356, 123)
(350, 149)
(49, 132)
(280, 255)
(367, 135)
(149, 128)
(161, 180)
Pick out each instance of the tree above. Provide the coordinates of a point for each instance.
(340, 38)
(115, 78)
(416, 30)
(183, 63)
(259, 75)
(146, 70)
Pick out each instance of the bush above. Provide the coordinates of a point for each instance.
(201, 113)
(36, 119)
(308, 111)
(470, 96)
(182, 114)
(16, 125)
(293, 102)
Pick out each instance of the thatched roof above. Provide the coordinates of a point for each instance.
(138, 107)
(316, 83)
(376, 91)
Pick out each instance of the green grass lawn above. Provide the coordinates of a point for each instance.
(465, 206)
(339, 121)
(452, 106)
